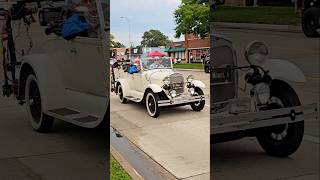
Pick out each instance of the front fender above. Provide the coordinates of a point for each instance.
(283, 69)
(48, 79)
(198, 83)
(155, 88)
(125, 86)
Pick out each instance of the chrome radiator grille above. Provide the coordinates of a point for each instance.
(177, 83)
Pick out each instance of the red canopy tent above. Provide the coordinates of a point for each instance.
(156, 54)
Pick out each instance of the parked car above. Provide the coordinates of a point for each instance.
(311, 18)
(157, 85)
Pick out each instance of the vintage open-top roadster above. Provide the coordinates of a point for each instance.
(157, 84)
(269, 108)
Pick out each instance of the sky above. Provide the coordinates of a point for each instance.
(143, 16)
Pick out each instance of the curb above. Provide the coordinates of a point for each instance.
(267, 27)
(125, 164)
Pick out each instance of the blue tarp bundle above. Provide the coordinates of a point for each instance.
(133, 69)
(74, 25)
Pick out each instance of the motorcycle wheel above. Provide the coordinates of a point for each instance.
(285, 139)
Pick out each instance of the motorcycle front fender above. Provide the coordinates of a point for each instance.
(283, 69)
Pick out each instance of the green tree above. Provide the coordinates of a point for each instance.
(192, 16)
(154, 38)
(115, 44)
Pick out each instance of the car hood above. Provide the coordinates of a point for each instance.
(157, 75)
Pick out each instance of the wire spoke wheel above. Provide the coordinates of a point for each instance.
(152, 104)
(40, 121)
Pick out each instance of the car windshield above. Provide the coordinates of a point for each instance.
(156, 63)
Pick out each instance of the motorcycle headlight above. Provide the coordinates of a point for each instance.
(166, 81)
(263, 92)
(256, 52)
(190, 78)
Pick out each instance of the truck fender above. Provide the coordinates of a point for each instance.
(125, 86)
(50, 86)
(283, 69)
(198, 83)
(155, 88)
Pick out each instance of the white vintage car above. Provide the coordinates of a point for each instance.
(157, 84)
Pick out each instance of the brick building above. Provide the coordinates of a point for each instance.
(119, 53)
(190, 50)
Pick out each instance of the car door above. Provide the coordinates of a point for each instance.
(89, 61)
(137, 81)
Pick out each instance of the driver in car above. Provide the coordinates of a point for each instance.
(135, 67)
(156, 64)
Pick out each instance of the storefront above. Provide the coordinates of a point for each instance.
(196, 55)
(177, 53)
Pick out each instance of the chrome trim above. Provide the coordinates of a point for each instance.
(180, 100)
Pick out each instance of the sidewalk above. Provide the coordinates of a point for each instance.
(266, 27)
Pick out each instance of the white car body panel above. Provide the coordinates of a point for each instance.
(198, 83)
(283, 69)
(72, 76)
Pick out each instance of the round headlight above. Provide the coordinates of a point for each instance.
(166, 81)
(173, 93)
(190, 78)
(256, 52)
(192, 91)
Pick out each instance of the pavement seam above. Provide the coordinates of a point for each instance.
(38, 155)
(311, 139)
(196, 175)
(290, 177)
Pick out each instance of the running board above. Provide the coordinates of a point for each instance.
(131, 98)
(64, 111)
(72, 116)
(220, 123)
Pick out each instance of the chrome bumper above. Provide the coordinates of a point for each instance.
(229, 123)
(181, 100)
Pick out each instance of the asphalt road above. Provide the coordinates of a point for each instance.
(244, 159)
(68, 152)
(178, 140)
